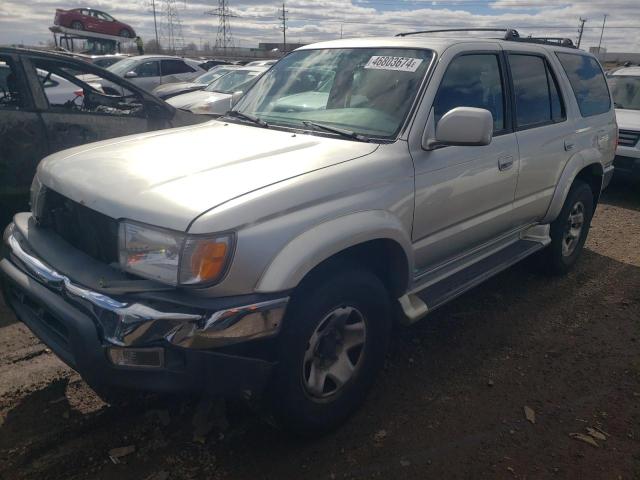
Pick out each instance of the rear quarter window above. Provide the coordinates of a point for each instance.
(588, 83)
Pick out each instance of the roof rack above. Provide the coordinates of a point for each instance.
(510, 34)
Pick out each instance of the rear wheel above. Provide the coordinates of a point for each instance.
(77, 25)
(569, 231)
(333, 344)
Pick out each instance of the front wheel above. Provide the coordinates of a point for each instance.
(333, 344)
(569, 231)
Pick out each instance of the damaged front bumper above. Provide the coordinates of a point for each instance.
(123, 342)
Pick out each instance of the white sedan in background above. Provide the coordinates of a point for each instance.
(217, 97)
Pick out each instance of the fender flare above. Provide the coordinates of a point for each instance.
(574, 166)
(322, 241)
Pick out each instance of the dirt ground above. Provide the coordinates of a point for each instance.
(449, 404)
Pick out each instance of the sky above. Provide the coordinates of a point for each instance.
(27, 21)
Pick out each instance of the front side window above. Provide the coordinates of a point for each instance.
(472, 81)
(368, 91)
(147, 69)
(72, 88)
(625, 91)
(588, 83)
(11, 91)
(536, 94)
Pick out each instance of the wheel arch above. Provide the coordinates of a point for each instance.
(578, 167)
(375, 239)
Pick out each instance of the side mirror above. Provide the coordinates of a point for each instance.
(235, 97)
(461, 126)
(130, 74)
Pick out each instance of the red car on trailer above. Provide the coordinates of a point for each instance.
(92, 20)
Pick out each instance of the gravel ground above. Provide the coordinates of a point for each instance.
(449, 404)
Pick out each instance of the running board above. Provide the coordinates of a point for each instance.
(418, 303)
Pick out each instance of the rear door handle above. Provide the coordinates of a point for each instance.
(505, 162)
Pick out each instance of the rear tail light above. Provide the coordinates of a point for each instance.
(79, 93)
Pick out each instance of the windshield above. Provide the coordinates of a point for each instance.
(625, 91)
(212, 75)
(232, 81)
(367, 91)
(123, 66)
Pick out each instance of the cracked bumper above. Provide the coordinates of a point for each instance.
(83, 327)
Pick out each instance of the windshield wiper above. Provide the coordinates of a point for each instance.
(245, 116)
(339, 131)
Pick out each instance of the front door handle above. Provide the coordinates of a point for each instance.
(505, 162)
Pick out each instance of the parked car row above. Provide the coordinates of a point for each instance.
(265, 252)
(624, 84)
(50, 102)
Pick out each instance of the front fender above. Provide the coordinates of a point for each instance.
(321, 242)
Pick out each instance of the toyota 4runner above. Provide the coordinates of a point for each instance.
(265, 251)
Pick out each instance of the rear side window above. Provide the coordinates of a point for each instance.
(588, 83)
(537, 97)
(175, 67)
(472, 81)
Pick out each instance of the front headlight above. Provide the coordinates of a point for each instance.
(36, 197)
(173, 257)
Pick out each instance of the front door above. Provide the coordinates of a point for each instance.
(464, 195)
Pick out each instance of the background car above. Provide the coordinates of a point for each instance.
(149, 71)
(624, 84)
(169, 90)
(46, 105)
(92, 21)
(217, 97)
(261, 63)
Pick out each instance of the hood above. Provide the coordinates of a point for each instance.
(194, 99)
(628, 119)
(170, 177)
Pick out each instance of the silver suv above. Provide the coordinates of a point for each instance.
(265, 251)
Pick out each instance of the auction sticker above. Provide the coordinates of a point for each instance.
(400, 64)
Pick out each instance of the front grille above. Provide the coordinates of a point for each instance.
(85, 229)
(628, 138)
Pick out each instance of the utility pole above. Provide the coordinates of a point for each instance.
(602, 32)
(284, 19)
(580, 32)
(155, 24)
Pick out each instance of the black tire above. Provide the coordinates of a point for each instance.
(77, 25)
(125, 33)
(557, 259)
(294, 407)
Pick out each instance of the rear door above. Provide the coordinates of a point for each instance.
(23, 142)
(545, 136)
(97, 110)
